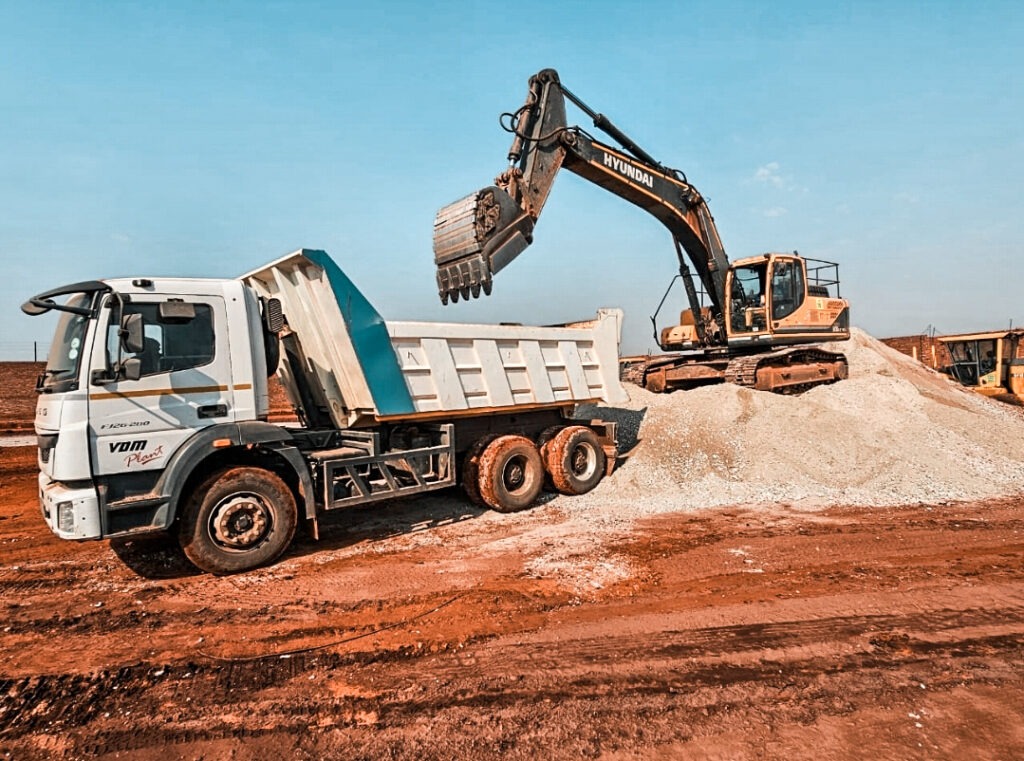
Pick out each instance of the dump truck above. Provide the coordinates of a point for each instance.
(153, 408)
(991, 363)
(751, 322)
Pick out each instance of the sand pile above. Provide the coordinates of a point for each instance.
(894, 433)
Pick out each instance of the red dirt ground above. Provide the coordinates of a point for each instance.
(759, 632)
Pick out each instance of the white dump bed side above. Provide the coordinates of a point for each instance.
(454, 367)
(367, 369)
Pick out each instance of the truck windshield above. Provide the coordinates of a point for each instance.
(65, 355)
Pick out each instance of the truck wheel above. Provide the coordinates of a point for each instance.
(575, 460)
(547, 435)
(542, 442)
(471, 470)
(510, 474)
(238, 519)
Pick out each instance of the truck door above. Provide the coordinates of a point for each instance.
(185, 384)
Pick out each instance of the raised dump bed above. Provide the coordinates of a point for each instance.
(369, 370)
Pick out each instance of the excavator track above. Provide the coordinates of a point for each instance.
(788, 371)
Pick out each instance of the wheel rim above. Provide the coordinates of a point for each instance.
(240, 521)
(513, 475)
(583, 461)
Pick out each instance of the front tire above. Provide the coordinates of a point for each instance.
(238, 519)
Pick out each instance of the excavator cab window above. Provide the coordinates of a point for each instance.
(975, 361)
(787, 288)
(747, 299)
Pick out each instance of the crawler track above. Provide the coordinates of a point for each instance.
(743, 371)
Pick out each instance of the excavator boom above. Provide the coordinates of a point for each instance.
(475, 237)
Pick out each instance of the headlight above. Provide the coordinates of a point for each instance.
(66, 516)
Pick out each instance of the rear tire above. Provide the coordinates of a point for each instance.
(471, 470)
(238, 519)
(510, 474)
(542, 441)
(575, 460)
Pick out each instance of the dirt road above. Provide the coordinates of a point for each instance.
(759, 632)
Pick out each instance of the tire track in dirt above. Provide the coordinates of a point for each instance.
(491, 678)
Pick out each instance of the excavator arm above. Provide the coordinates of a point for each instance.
(477, 236)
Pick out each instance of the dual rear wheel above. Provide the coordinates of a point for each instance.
(507, 473)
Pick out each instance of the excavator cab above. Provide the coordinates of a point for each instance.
(772, 300)
(990, 363)
(784, 299)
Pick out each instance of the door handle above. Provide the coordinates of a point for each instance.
(212, 410)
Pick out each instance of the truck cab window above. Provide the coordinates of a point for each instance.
(65, 355)
(169, 346)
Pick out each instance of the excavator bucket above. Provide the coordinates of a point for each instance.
(474, 238)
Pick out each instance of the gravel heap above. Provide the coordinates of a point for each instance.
(894, 433)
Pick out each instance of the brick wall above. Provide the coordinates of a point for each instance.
(925, 349)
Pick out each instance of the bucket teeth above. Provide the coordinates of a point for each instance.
(464, 278)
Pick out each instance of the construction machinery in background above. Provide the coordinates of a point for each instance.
(751, 322)
(990, 363)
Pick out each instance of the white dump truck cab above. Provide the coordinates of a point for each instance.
(137, 368)
(153, 407)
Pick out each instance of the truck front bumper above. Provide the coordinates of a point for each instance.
(70, 512)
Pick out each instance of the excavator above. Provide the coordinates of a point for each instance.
(750, 322)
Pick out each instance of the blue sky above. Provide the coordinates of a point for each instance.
(204, 139)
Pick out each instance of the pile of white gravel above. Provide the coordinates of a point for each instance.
(894, 433)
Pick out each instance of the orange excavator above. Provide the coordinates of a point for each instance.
(752, 322)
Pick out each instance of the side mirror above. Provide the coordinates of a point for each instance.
(131, 369)
(273, 317)
(132, 339)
